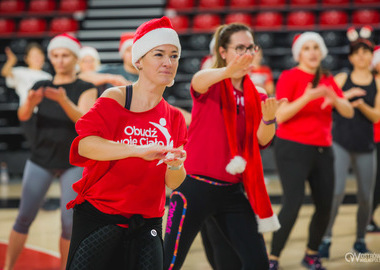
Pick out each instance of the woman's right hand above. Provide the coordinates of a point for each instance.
(35, 96)
(11, 57)
(354, 92)
(154, 151)
(315, 93)
(239, 66)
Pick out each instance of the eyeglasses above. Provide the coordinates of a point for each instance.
(241, 49)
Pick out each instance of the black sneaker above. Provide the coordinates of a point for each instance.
(360, 247)
(312, 262)
(324, 249)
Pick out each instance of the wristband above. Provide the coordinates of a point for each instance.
(175, 168)
(270, 122)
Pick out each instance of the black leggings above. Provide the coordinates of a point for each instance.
(194, 202)
(297, 162)
(96, 244)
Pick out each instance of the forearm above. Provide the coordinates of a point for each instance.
(203, 79)
(72, 111)
(97, 148)
(265, 133)
(290, 109)
(6, 71)
(371, 113)
(174, 178)
(25, 111)
(344, 108)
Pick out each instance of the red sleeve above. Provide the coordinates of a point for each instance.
(285, 86)
(101, 120)
(198, 96)
(336, 88)
(180, 128)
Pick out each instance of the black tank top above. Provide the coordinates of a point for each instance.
(356, 134)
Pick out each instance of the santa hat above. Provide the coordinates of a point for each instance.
(126, 40)
(151, 34)
(376, 57)
(86, 50)
(64, 41)
(249, 161)
(300, 39)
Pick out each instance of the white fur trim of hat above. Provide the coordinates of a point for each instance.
(64, 41)
(89, 51)
(304, 37)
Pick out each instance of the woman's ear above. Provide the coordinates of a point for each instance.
(138, 64)
(222, 52)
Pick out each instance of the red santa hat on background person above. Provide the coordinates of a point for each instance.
(376, 56)
(64, 41)
(300, 39)
(151, 34)
(126, 41)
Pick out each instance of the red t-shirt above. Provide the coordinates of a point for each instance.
(131, 185)
(311, 125)
(376, 131)
(208, 152)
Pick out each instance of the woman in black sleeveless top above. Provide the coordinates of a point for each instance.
(353, 141)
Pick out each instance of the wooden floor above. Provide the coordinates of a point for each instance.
(44, 233)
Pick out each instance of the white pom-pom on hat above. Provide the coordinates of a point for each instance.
(366, 32)
(352, 34)
(236, 165)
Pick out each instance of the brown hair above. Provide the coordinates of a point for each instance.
(31, 46)
(222, 38)
(318, 75)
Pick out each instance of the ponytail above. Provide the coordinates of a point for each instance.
(318, 75)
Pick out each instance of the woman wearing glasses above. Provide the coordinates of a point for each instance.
(303, 145)
(230, 122)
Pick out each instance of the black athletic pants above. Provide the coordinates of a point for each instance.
(297, 163)
(194, 202)
(97, 243)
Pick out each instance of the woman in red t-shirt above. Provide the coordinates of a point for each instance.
(130, 144)
(303, 147)
(230, 121)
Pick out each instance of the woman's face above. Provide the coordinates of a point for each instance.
(310, 55)
(88, 63)
(361, 58)
(35, 59)
(239, 42)
(63, 60)
(160, 64)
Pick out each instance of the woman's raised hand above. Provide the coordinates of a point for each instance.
(11, 57)
(269, 107)
(239, 66)
(35, 96)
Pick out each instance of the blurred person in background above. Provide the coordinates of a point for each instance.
(60, 102)
(262, 75)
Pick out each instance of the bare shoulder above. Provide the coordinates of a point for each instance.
(340, 78)
(116, 93)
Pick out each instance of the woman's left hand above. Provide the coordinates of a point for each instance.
(269, 107)
(56, 94)
(175, 159)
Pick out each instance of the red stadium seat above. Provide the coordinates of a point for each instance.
(180, 4)
(301, 20)
(303, 3)
(69, 6)
(211, 4)
(12, 6)
(206, 22)
(63, 25)
(7, 26)
(333, 19)
(365, 16)
(268, 21)
(41, 6)
(180, 23)
(32, 27)
(242, 3)
(240, 18)
(366, 2)
(335, 2)
(271, 3)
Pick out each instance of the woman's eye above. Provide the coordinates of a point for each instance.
(174, 56)
(158, 54)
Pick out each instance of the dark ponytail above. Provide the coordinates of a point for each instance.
(318, 75)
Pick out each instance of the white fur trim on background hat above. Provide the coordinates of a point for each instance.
(300, 40)
(89, 51)
(376, 57)
(152, 34)
(64, 41)
(126, 41)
